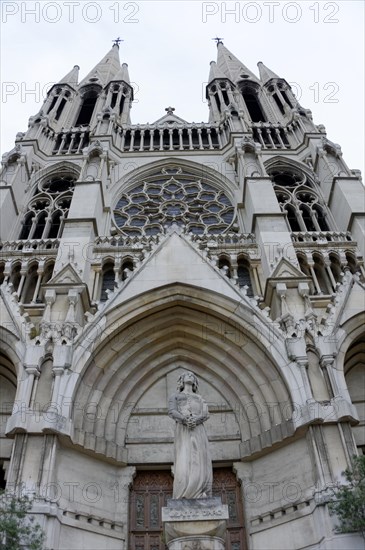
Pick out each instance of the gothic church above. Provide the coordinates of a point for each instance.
(129, 252)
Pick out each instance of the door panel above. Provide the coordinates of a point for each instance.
(149, 494)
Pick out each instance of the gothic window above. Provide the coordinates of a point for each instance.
(118, 96)
(107, 281)
(253, 107)
(15, 276)
(249, 91)
(321, 279)
(27, 225)
(319, 213)
(48, 272)
(352, 263)
(53, 102)
(114, 96)
(304, 267)
(335, 267)
(87, 108)
(27, 283)
(173, 197)
(30, 285)
(216, 97)
(244, 275)
(58, 102)
(279, 104)
(55, 224)
(60, 108)
(40, 221)
(324, 277)
(223, 88)
(48, 207)
(299, 200)
(225, 265)
(286, 99)
(127, 265)
(121, 105)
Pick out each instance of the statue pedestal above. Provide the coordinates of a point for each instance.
(195, 524)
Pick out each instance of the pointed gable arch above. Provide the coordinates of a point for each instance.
(141, 343)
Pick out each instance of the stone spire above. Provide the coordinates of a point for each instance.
(105, 70)
(266, 74)
(233, 68)
(122, 75)
(71, 78)
(215, 72)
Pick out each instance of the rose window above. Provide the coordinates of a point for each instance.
(176, 198)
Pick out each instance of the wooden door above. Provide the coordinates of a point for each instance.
(149, 494)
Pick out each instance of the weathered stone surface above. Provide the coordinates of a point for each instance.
(195, 509)
(196, 543)
(102, 312)
(203, 518)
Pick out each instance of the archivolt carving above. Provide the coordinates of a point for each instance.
(222, 354)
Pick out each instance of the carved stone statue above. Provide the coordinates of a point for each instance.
(193, 465)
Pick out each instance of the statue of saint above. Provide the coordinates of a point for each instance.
(193, 465)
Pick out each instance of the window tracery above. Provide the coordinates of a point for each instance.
(48, 207)
(299, 200)
(173, 197)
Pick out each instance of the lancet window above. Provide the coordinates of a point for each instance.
(174, 197)
(111, 275)
(117, 97)
(280, 96)
(299, 200)
(26, 279)
(87, 108)
(108, 281)
(326, 271)
(48, 208)
(249, 93)
(240, 271)
(244, 271)
(58, 102)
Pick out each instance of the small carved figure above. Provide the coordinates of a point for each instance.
(193, 465)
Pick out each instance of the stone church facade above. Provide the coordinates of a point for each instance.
(232, 248)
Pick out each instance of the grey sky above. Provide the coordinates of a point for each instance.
(316, 46)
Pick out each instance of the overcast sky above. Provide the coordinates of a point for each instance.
(316, 46)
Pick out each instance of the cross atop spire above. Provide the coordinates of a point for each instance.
(218, 40)
(170, 110)
(117, 41)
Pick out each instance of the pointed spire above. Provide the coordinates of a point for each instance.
(266, 74)
(215, 72)
(233, 68)
(122, 74)
(71, 78)
(105, 70)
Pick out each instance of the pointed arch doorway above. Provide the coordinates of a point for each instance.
(149, 493)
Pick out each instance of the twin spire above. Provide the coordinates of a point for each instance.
(107, 70)
(228, 66)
